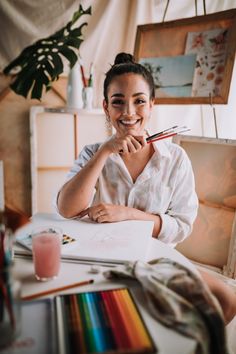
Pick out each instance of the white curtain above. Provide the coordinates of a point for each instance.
(111, 29)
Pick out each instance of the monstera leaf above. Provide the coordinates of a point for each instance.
(41, 63)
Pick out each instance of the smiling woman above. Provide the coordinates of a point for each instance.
(126, 178)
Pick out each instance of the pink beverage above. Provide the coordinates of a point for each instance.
(46, 248)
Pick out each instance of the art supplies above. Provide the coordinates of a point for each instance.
(56, 290)
(87, 82)
(10, 322)
(167, 133)
(9, 290)
(90, 80)
(102, 322)
(87, 92)
(108, 242)
(83, 75)
(26, 240)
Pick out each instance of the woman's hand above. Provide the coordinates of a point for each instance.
(125, 144)
(106, 213)
(113, 213)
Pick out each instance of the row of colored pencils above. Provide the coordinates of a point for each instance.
(167, 133)
(103, 322)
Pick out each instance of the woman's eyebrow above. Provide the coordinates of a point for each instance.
(117, 95)
(139, 93)
(134, 95)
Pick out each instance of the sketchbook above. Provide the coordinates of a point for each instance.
(109, 242)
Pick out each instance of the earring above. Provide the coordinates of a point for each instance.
(108, 125)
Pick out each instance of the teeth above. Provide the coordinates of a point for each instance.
(129, 122)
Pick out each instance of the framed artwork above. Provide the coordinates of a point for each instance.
(190, 59)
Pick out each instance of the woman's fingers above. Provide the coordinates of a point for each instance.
(95, 212)
(83, 213)
(125, 144)
(132, 144)
(106, 213)
(137, 143)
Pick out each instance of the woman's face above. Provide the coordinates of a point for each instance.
(129, 105)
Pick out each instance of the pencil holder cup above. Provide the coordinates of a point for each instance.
(10, 307)
(87, 96)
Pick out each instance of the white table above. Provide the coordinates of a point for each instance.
(166, 340)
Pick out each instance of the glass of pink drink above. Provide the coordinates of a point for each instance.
(46, 247)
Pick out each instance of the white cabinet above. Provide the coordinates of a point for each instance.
(57, 137)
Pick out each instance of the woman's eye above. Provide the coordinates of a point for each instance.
(117, 102)
(140, 101)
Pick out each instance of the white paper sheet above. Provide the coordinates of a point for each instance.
(109, 242)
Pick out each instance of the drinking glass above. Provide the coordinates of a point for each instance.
(46, 248)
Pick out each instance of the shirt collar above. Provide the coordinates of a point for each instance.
(162, 148)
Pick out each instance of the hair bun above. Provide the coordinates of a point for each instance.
(122, 58)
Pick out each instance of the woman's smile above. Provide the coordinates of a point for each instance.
(129, 122)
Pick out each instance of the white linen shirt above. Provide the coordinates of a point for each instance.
(165, 187)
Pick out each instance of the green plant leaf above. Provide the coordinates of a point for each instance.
(78, 13)
(69, 54)
(41, 63)
(38, 86)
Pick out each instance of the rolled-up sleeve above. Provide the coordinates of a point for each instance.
(177, 221)
(84, 156)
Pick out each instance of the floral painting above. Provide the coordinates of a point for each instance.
(210, 47)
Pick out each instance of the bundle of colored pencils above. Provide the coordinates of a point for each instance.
(167, 133)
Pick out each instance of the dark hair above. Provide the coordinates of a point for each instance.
(124, 64)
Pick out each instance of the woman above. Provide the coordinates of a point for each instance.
(126, 178)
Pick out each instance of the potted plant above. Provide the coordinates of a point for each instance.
(41, 63)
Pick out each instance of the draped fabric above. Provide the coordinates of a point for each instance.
(111, 29)
(179, 299)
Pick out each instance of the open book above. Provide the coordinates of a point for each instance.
(109, 242)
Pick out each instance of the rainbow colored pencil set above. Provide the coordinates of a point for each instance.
(103, 322)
